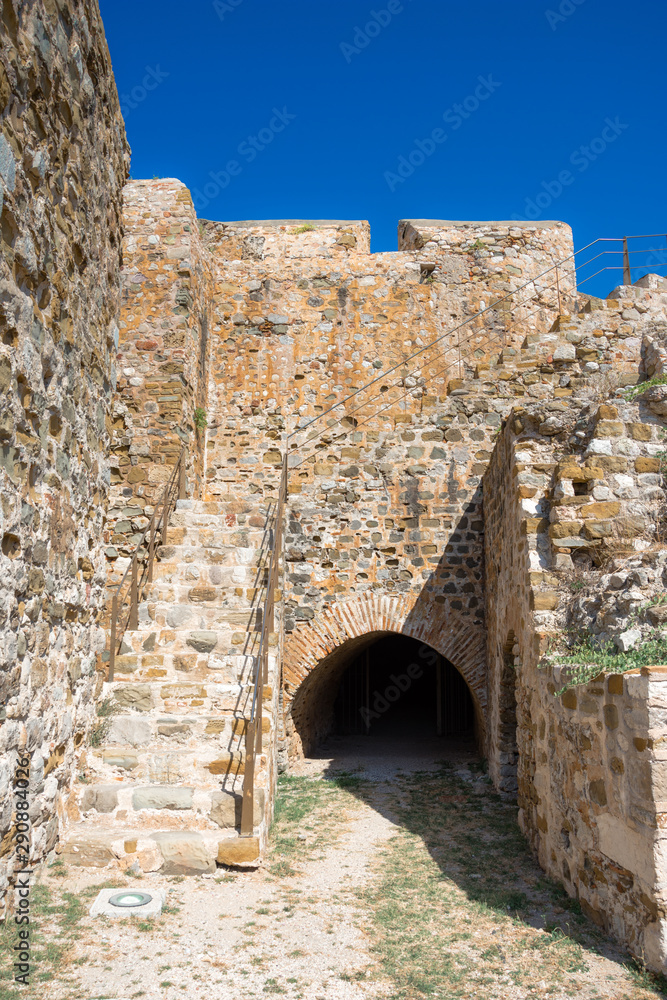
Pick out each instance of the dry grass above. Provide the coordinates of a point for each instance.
(459, 909)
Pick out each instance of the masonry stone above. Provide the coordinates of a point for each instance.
(487, 493)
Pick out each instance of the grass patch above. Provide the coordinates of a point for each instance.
(458, 908)
(586, 659)
(307, 808)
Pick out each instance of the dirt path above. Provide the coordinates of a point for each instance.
(389, 876)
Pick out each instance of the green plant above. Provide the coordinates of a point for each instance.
(633, 391)
(200, 418)
(100, 730)
(305, 228)
(477, 245)
(587, 659)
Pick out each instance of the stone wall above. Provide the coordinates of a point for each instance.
(63, 161)
(573, 550)
(163, 358)
(384, 490)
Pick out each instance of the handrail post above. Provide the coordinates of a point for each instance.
(627, 273)
(165, 520)
(560, 308)
(260, 704)
(151, 551)
(133, 620)
(247, 805)
(112, 650)
(181, 475)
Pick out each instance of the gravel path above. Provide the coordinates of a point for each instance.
(303, 934)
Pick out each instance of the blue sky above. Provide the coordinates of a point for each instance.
(401, 109)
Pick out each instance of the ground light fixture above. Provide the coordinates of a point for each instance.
(119, 902)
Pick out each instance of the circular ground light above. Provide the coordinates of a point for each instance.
(130, 899)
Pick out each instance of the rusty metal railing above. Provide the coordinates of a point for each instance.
(253, 732)
(135, 580)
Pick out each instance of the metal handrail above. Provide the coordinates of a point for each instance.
(555, 268)
(253, 730)
(174, 490)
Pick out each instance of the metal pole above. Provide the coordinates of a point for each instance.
(151, 551)
(438, 697)
(112, 653)
(368, 692)
(560, 308)
(247, 806)
(181, 476)
(133, 621)
(627, 274)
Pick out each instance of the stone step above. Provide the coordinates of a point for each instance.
(228, 505)
(189, 559)
(236, 639)
(215, 537)
(201, 698)
(181, 667)
(170, 848)
(144, 741)
(174, 586)
(188, 617)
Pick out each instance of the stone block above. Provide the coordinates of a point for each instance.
(603, 509)
(162, 797)
(86, 851)
(203, 642)
(239, 851)
(598, 792)
(609, 428)
(127, 761)
(129, 730)
(610, 713)
(644, 464)
(608, 463)
(545, 600)
(565, 529)
(101, 798)
(137, 696)
(597, 529)
(227, 764)
(615, 684)
(640, 432)
(226, 808)
(184, 853)
(569, 699)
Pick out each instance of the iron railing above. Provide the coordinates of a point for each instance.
(555, 280)
(134, 581)
(559, 277)
(253, 732)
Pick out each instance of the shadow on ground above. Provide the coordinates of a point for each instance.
(478, 870)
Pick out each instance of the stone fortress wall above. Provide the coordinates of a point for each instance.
(63, 163)
(484, 497)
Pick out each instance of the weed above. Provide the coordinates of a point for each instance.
(587, 659)
(633, 391)
(200, 418)
(305, 228)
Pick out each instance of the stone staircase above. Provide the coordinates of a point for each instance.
(161, 786)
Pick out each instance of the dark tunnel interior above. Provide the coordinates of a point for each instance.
(399, 687)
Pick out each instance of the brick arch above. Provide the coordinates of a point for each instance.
(321, 647)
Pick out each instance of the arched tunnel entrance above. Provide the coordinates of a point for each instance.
(383, 685)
